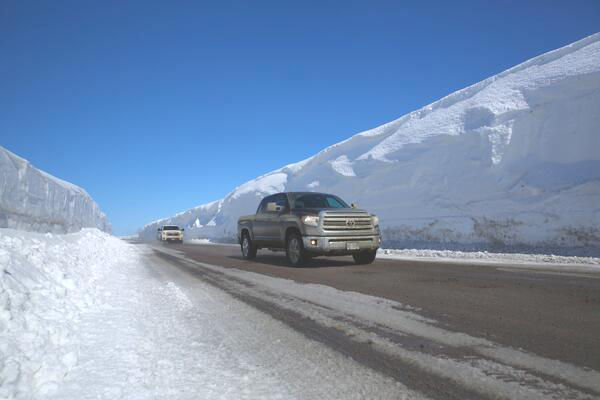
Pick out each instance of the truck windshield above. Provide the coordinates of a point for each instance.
(170, 228)
(317, 200)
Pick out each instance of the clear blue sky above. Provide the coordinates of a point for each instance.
(156, 107)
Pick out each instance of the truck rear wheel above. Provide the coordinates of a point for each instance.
(248, 248)
(365, 257)
(294, 250)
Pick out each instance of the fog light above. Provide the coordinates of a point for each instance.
(313, 242)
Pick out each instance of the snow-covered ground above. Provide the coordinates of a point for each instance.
(198, 241)
(48, 283)
(487, 257)
(88, 316)
(33, 200)
(510, 161)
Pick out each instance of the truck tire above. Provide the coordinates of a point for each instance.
(365, 257)
(294, 250)
(248, 247)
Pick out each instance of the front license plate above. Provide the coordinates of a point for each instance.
(352, 246)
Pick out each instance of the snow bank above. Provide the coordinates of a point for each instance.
(199, 241)
(33, 200)
(510, 162)
(47, 282)
(487, 256)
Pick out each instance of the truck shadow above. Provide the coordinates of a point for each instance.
(281, 261)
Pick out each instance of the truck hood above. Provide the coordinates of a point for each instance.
(316, 211)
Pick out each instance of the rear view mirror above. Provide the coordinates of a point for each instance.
(182, 229)
(159, 229)
(353, 205)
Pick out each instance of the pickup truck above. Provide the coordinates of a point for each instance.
(170, 233)
(309, 224)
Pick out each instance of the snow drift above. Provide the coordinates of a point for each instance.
(47, 282)
(510, 162)
(33, 200)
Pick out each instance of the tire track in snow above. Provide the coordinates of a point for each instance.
(454, 365)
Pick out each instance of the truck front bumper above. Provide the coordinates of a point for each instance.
(340, 245)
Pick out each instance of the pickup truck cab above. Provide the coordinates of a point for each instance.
(309, 224)
(170, 233)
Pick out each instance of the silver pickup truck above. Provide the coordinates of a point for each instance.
(308, 224)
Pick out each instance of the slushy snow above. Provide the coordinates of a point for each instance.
(33, 200)
(511, 161)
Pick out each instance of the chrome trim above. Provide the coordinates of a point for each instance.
(345, 221)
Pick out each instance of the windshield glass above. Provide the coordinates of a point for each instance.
(317, 200)
(170, 228)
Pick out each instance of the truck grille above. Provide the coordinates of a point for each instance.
(347, 222)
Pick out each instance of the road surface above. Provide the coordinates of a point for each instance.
(449, 330)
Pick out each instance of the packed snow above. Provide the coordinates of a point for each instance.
(33, 200)
(88, 316)
(48, 282)
(518, 258)
(508, 163)
(199, 241)
(494, 370)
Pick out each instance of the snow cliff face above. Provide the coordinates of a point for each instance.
(513, 160)
(33, 200)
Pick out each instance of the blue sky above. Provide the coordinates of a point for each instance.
(156, 107)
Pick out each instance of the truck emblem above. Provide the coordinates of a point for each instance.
(350, 222)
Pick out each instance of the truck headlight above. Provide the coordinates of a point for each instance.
(310, 220)
(375, 220)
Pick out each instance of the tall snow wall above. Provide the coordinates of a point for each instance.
(512, 162)
(32, 200)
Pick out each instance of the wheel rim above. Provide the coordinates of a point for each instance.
(245, 246)
(294, 250)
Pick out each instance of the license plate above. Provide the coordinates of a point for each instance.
(352, 246)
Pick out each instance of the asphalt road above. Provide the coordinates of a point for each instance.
(548, 313)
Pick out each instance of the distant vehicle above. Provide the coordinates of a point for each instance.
(170, 233)
(308, 224)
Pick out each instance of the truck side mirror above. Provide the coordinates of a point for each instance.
(272, 207)
(159, 229)
(182, 229)
(353, 205)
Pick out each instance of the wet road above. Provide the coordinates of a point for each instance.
(553, 314)
(541, 312)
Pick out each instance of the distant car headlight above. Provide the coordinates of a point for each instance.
(375, 220)
(310, 220)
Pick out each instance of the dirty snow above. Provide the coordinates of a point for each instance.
(494, 371)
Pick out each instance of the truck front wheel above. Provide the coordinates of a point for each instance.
(248, 248)
(365, 257)
(294, 250)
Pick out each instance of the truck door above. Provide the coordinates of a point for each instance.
(261, 221)
(273, 225)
